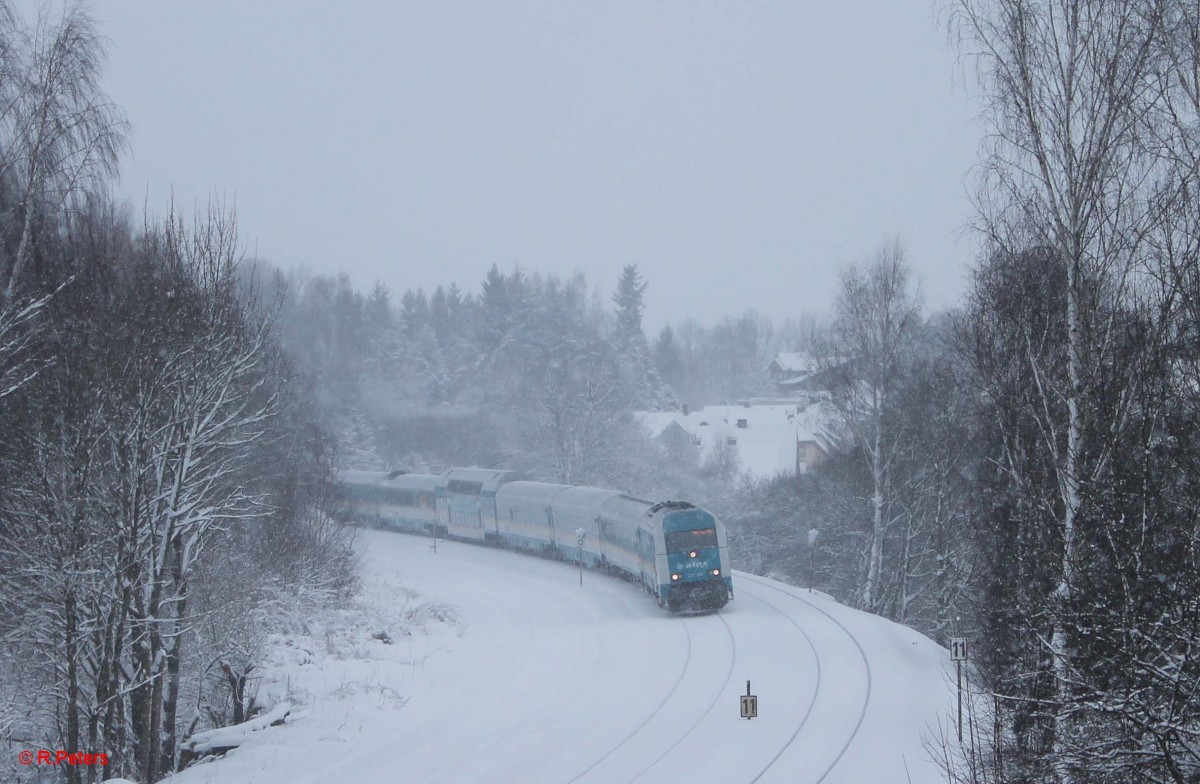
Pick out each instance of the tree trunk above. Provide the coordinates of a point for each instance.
(1060, 643)
(237, 690)
(875, 560)
(148, 693)
(902, 592)
(174, 657)
(171, 702)
(71, 652)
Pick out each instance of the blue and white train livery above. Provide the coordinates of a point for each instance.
(676, 551)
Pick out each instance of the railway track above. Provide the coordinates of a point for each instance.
(666, 699)
(676, 729)
(816, 691)
(795, 594)
(725, 694)
(699, 719)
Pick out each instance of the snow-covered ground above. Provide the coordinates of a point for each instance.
(531, 678)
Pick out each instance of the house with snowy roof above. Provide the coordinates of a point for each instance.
(789, 363)
(798, 374)
(767, 439)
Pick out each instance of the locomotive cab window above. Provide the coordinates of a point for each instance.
(677, 541)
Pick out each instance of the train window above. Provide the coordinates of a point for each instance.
(677, 541)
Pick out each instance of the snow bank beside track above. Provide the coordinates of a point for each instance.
(523, 676)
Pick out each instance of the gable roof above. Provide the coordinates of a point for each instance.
(766, 446)
(793, 362)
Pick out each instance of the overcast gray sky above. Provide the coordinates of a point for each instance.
(737, 152)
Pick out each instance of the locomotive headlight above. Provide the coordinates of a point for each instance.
(692, 554)
(716, 572)
(674, 576)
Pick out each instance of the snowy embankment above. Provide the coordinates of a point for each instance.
(531, 678)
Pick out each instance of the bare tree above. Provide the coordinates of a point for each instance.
(738, 351)
(1065, 82)
(63, 135)
(932, 559)
(874, 318)
(209, 405)
(578, 430)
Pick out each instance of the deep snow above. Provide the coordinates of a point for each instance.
(534, 679)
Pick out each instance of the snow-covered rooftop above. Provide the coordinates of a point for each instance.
(793, 362)
(766, 446)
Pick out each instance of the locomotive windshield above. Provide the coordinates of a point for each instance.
(677, 541)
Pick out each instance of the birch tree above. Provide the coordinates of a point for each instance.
(1065, 84)
(64, 136)
(874, 318)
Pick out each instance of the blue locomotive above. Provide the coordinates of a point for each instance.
(675, 550)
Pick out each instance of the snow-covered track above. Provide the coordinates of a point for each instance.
(716, 699)
(816, 690)
(797, 595)
(542, 681)
(674, 688)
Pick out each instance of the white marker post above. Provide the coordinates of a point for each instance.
(580, 537)
(749, 704)
(958, 654)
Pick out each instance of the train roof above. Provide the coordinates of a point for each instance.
(395, 479)
(589, 497)
(677, 519)
(540, 492)
(482, 474)
(475, 481)
(513, 485)
(361, 477)
(627, 506)
(590, 500)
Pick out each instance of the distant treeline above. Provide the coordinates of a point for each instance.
(530, 372)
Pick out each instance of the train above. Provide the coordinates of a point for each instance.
(676, 551)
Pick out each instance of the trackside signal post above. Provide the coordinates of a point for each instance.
(958, 654)
(580, 538)
(749, 704)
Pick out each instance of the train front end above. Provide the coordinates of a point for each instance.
(696, 577)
